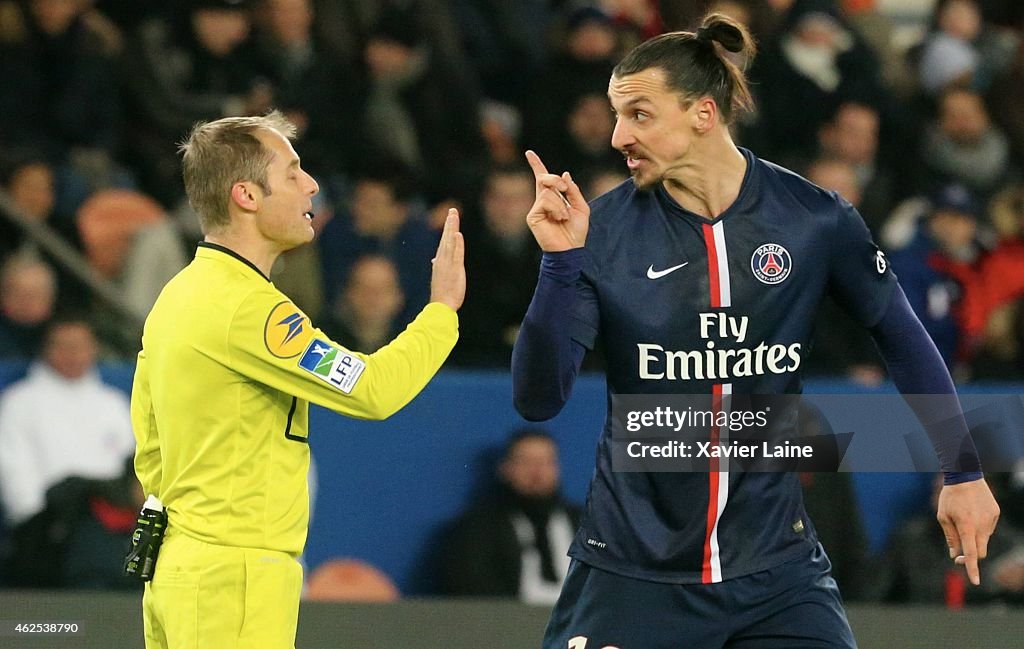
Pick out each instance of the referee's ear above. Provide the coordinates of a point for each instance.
(245, 195)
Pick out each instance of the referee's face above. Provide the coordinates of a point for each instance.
(654, 129)
(285, 213)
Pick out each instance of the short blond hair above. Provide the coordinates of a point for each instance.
(218, 154)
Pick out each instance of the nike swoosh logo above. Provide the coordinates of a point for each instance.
(655, 274)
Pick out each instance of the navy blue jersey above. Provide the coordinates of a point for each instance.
(684, 305)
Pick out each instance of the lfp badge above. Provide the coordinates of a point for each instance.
(771, 263)
(335, 366)
(287, 331)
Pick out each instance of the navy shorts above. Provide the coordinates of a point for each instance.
(795, 605)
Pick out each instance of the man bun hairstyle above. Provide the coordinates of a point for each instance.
(725, 31)
(696, 64)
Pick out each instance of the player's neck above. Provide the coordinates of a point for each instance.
(710, 181)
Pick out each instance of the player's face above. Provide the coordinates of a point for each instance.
(653, 125)
(285, 214)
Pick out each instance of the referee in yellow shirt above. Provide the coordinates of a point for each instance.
(225, 377)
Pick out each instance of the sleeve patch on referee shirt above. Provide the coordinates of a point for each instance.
(287, 331)
(332, 365)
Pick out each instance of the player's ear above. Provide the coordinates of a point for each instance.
(705, 114)
(246, 196)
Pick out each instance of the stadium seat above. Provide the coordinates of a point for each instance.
(350, 580)
(108, 222)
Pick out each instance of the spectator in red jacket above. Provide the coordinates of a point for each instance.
(996, 279)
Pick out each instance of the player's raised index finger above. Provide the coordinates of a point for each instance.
(535, 163)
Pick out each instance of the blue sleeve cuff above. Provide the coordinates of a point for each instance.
(566, 265)
(959, 477)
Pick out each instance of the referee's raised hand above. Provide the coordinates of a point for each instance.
(448, 280)
(560, 216)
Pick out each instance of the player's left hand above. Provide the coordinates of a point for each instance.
(968, 515)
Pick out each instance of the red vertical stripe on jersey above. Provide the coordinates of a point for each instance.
(713, 477)
(716, 286)
(711, 566)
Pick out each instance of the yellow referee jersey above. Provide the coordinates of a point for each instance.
(220, 401)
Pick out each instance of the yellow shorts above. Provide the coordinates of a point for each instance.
(206, 596)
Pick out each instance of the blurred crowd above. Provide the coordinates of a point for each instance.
(910, 109)
(913, 110)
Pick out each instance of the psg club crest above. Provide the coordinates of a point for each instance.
(771, 263)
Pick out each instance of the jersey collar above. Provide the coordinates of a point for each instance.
(231, 253)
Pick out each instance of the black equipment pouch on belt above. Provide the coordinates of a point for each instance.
(140, 563)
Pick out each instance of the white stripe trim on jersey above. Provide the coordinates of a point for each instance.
(723, 490)
(724, 287)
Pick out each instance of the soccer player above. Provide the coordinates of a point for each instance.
(225, 377)
(707, 232)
